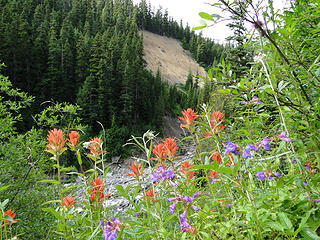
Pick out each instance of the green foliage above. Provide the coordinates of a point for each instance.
(11, 102)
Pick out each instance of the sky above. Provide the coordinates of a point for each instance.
(188, 11)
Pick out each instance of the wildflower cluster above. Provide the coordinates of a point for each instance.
(193, 191)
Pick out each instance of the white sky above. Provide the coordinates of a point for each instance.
(188, 11)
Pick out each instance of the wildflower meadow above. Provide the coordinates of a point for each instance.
(253, 172)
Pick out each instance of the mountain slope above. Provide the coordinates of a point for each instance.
(167, 54)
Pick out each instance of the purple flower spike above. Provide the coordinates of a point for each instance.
(270, 178)
(172, 208)
(188, 199)
(283, 137)
(214, 180)
(305, 183)
(246, 154)
(254, 147)
(255, 100)
(229, 205)
(277, 174)
(317, 200)
(261, 175)
(265, 143)
(172, 199)
(196, 194)
(232, 148)
(195, 208)
(293, 161)
(168, 175)
(155, 177)
(111, 228)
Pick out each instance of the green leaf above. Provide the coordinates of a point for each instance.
(198, 28)
(94, 234)
(120, 189)
(309, 234)
(285, 221)
(79, 158)
(50, 181)
(206, 16)
(54, 212)
(69, 188)
(4, 203)
(52, 201)
(198, 167)
(4, 187)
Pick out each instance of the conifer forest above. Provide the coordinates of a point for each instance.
(84, 151)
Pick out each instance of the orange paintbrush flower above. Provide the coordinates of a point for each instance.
(217, 120)
(231, 159)
(97, 193)
(189, 117)
(214, 174)
(56, 141)
(12, 214)
(136, 170)
(170, 148)
(185, 170)
(68, 201)
(95, 147)
(74, 138)
(216, 156)
(158, 150)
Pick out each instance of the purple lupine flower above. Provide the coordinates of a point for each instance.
(197, 194)
(184, 221)
(255, 100)
(141, 214)
(155, 177)
(232, 148)
(187, 199)
(229, 205)
(214, 180)
(172, 199)
(254, 147)
(265, 143)
(261, 175)
(283, 137)
(270, 178)
(195, 208)
(305, 183)
(246, 153)
(168, 175)
(317, 200)
(277, 174)
(111, 228)
(172, 207)
(293, 161)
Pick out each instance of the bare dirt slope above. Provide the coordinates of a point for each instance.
(167, 54)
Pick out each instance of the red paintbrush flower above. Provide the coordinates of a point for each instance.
(216, 156)
(189, 117)
(170, 148)
(185, 170)
(136, 170)
(97, 193)
(56, 141)
(68, 201)
(12, 214)
(95, 147)
(159, 151)
(74, 138)
(217, 120)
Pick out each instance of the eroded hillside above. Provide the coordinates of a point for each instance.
(167, 54)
